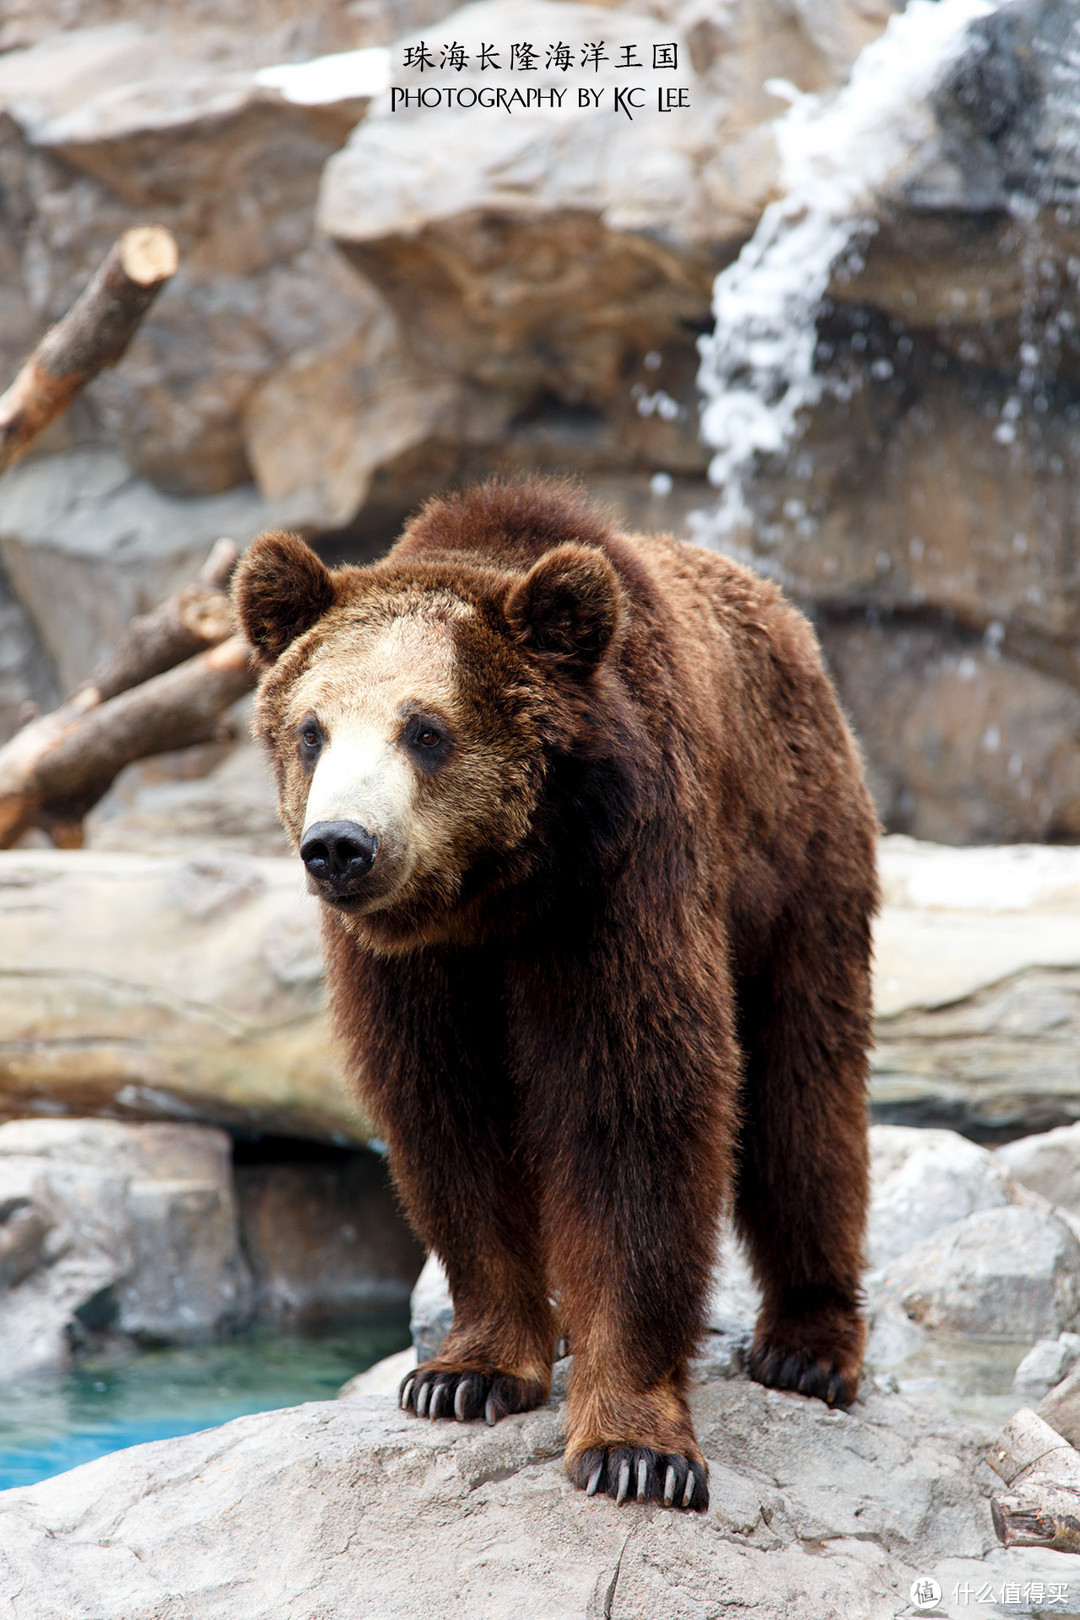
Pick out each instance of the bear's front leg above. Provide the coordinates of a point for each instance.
(630, 1105)
(428, 1039)
(497, 1357)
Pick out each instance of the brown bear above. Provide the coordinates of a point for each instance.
(597, 866)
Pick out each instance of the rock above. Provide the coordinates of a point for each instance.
(1061, 1407)
(1011, 1273)
(1048, 1163)
(186, 988)
(892, 1338)
(977, 988)
(545, 196)
(324, 1241)
(284, 33)
(384, 1378)
(922, 512)
(817, 1515)
(27, 680)
(87, 545)
(962, 745)
(977, 982)
(1045, 1365)
(531, 292)
(120, 122)
(431, 1313)
(216, 799)
(557, 263)
(113, 1230)
(1007, 126)
(924, 1181)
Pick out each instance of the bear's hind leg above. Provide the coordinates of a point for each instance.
(802, 1174)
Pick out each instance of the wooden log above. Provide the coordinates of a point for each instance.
(57, 768)
(1042, 1470)
(92, 335)
(59, 765)
(197, 616)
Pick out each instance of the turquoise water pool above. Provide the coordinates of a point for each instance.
(50, 1424)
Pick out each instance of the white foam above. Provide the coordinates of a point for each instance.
(757, 371)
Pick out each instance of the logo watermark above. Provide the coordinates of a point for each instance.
(1045, 1596)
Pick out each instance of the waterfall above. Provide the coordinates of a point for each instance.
(836, 153)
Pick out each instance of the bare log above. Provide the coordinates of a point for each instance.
(1042, 1471)
(92, 335)
(197, 616)
(57, 768)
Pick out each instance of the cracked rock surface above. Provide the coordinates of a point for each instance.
(354, 1509)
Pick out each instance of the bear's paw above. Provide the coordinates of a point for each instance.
(810, 1359)
(442, 1390)
(640, 1474)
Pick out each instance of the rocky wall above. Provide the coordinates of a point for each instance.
(374, 304)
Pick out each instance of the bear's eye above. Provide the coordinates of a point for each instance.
(429, 743)
(311, 739)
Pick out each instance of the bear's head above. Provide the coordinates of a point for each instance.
(411, 710)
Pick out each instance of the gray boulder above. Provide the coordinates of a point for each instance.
(1046, 1364)
(114, 1230)
(1047, 1163)
(27, 678)
(923, 1181)
(1011, 1273)
(431, 1313)
(817, 1515)
(87, 544)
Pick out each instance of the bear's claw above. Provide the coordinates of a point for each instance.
(639, 1473)
(781, 1367)
(440, 1392)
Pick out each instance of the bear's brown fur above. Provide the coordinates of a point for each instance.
(630, 988)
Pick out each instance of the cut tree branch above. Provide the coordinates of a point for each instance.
(92, 335)
(198, 616)
(166, 687)
(1042, 1471)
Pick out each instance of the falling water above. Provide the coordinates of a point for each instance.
(757, 371)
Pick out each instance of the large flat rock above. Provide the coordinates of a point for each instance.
(188, 984)
(353, 1508)
(186, 988)
(977, 987)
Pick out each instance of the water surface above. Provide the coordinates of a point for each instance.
(51, 1423)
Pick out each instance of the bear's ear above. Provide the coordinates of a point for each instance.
(280, 589)
(567, 607)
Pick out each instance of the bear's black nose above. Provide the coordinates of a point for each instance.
(338, 852)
